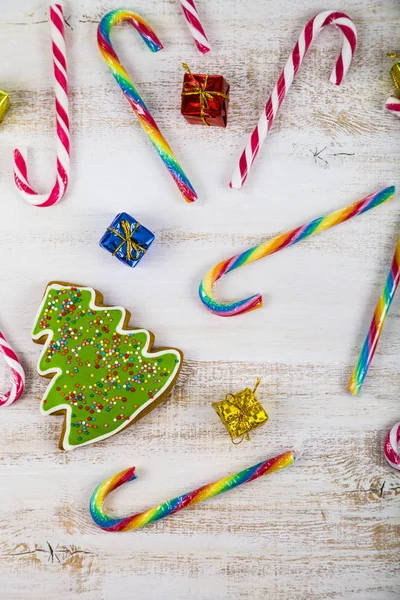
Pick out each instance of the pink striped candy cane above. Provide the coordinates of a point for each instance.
(195, 26)
(307, 36)
(393, 105)
(63, 138)
(17, 373)
(391, 447)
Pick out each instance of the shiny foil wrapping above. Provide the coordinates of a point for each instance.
(395, 73)
(127, 239)
(205, 99)
(4, 105)
(241, 413)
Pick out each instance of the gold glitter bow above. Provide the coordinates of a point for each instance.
(127, 239)
(4, 104)
(395, 70)
(240, 413)
(200, 89)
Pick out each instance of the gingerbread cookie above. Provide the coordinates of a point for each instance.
(103, 374)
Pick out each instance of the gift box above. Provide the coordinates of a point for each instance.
(205, 99)
(241, 413)
(4, 105)
(395, 73)
(127, 239)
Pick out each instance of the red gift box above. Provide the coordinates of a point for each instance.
(205, 99)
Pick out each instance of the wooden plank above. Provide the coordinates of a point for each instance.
(329, 526)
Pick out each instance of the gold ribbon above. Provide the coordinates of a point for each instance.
(197, 88)
(395, 70)
(238, 426)
(127, 239)
(242, 422)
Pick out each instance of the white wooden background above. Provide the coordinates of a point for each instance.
(329, 526)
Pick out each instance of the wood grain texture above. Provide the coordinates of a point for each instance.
(329, 526)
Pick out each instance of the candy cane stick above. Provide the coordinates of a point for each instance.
(62, 127)
(376, 327)
(230, 309)
(172, 506)
(391, 447)
(393, 105)
(307, 36)
(17, 373)
(132, 95)
(195, 26)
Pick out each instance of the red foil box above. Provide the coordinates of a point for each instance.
(203, 101)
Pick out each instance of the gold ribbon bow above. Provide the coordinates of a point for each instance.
(131, 245)
(197, 88)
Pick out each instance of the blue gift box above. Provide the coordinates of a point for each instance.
(127, 239)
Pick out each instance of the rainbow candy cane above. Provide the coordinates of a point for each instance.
(376, 327)
(132, 95)
(307, 36)
(172, 506)
(230, 309)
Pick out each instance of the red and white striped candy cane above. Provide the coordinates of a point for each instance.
(17, 373)
(393, 105)
(195, 26)
(391, 447)
(62, 120)
(307, 36)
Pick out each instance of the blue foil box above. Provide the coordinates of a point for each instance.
(127, 239)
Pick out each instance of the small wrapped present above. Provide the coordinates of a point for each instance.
(395, 70)
(205, 99)
(127, 239)
(4, 105)
(241, 413)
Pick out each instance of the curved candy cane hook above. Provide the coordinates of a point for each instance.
(230, 309)
(391, 447)
(17, 373)
(307, 36)
(132, 95)
(393, 105)
(172, 506)
(62, 119)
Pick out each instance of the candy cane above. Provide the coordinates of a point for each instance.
(62, 119)
(393, 105)
(195, 26)
(172, 506)
(230, 309)
(376, 327)
(132, 95)
(307, 36)
(17, 373)
(391, 447)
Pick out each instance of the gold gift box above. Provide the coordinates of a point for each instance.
(395, 72)
(241, 413)
(4, 104)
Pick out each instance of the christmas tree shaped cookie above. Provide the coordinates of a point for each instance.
(103, 375)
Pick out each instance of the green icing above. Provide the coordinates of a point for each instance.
(105, 378)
